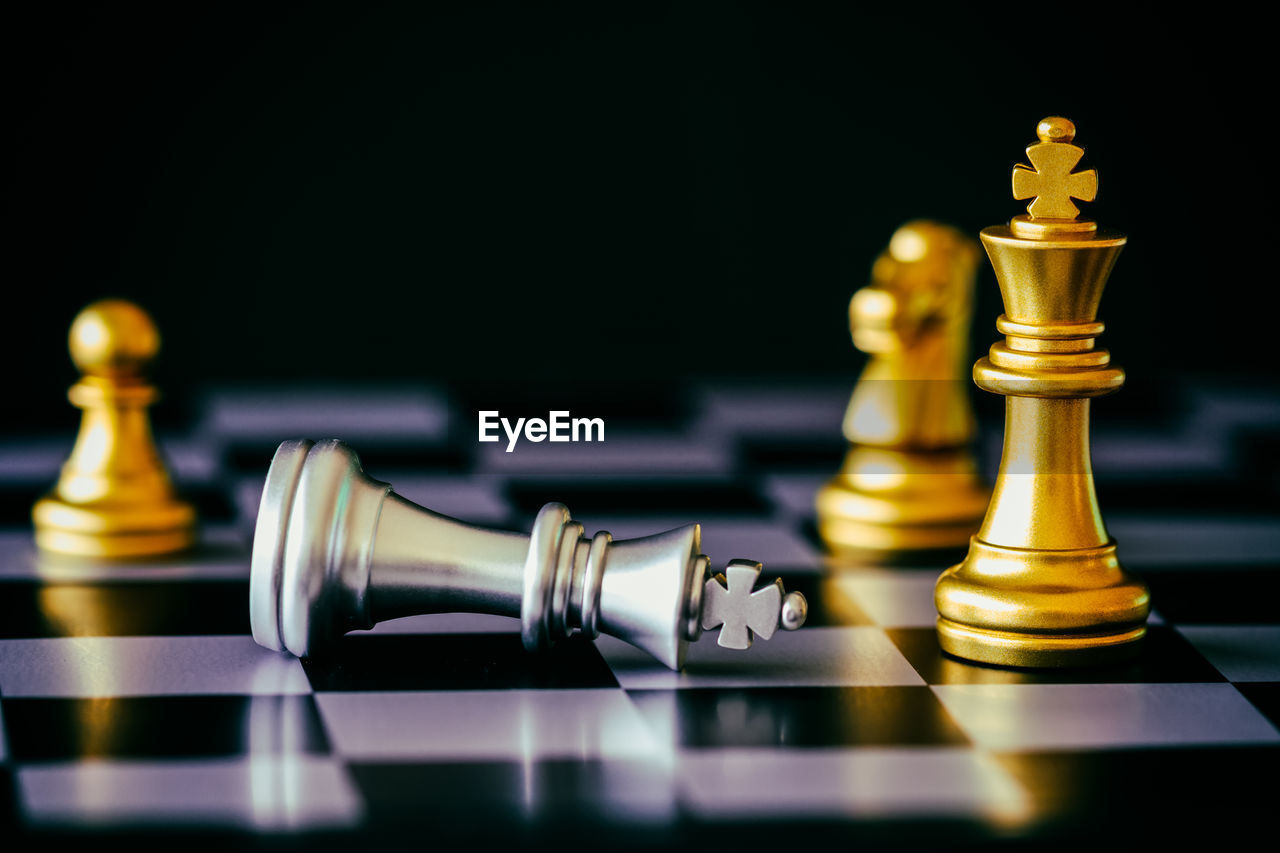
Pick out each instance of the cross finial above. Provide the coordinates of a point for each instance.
(728, 600)
(1049, 177)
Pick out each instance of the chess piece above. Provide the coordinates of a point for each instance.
(1042, 585)
(909, 480)
(335, 550)
(114, 497)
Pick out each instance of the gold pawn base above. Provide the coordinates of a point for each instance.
(113, 531)
(886, 501)
(1029, 608)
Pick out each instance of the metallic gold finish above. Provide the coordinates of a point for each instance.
(1050, 181)
(909, 481)
(1042, 585)
(114, 497)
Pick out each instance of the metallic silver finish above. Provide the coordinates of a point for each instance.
(336, 550)
(268, 561)
(795, 609)
(732, 601)
(544, 546)
(589, 605)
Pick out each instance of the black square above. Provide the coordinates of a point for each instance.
(1165, 657)
(16, 501)
(793, 453)
(1217, 596)
(1265, 696)
(8, 798)
(801, 716)
(1141, 793)
(162, 727)
(371, 662)
(29, 609)
(483, 798)
(593, 496)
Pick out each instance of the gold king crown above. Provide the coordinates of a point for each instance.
(1051, 184)
(1047, 277)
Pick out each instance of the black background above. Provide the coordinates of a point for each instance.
(604, 193)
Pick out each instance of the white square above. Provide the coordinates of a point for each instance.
(892, 598)
(1088, 716)
(348, 413)
(221, 554)
(810, 657)
(620, 454)
(36, 462)
(862, 782)
(268, 793)
(146, 666)
(792, 410)
(478, 725)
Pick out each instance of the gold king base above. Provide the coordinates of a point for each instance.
(1033, 608)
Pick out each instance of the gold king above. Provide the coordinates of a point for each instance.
(1042, 585)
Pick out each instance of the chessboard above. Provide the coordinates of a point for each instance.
(134, 705)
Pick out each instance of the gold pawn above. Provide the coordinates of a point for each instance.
(1041, 585)
(909, 482)
(113, 497)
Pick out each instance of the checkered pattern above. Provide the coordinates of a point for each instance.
(133, 701)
